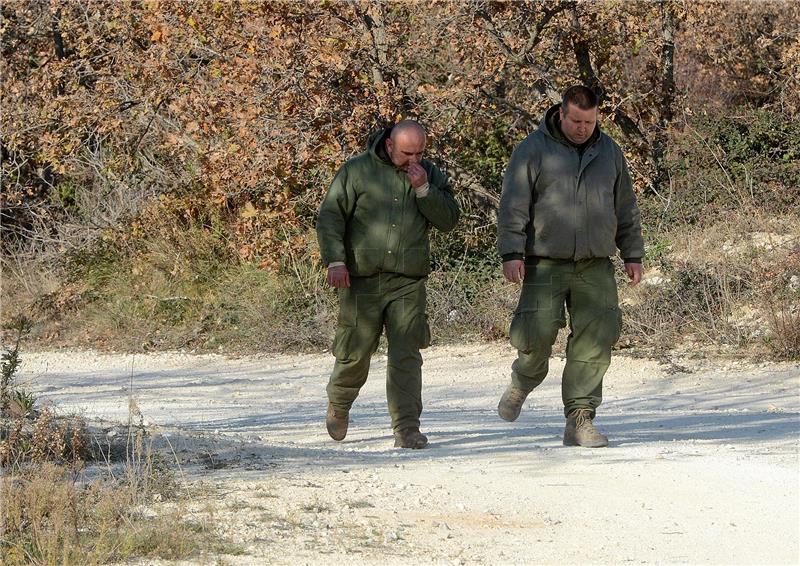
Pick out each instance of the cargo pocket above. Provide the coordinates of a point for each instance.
(610, 327)
(423, 331)
(342, 342)
(530, 330)
(618, 327)
(522, 330)
(346, 325)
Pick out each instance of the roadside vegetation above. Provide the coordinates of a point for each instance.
(163, 164)
(73, 495)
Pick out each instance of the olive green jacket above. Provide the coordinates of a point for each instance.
(372, 220)
(564, 203)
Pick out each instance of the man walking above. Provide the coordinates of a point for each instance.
(373, 235)
(567, 205)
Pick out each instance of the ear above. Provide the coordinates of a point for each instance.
(389, 145)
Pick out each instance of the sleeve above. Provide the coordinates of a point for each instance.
(336, 209)
(439, 205)
(514, 214)
(629, 228)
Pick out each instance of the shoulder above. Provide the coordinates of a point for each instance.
(359, 160)
(612, 151)
(356, 165)
(609, 145)
(532, 143)
(535, 138)
(530, 149)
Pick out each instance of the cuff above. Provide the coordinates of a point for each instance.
(423, 190)
(511, 256)
(632, 260)
(335, 264)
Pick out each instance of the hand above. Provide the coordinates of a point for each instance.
(514, 270)
(338, 276)
(634, 271)
(417, 175)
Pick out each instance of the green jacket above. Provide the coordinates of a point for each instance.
(564, 202)
(372, 220)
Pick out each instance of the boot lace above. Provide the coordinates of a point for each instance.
(583, 421)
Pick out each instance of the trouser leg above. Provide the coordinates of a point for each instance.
(406, 332)
(358, 331)
(594, 328)
(537, 319)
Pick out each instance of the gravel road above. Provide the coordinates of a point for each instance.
(702, 466)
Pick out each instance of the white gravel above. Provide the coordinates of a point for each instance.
(702, 467)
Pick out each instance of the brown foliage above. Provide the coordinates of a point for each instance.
(245, 108)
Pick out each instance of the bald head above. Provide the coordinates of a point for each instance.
(406, 143)
(408, 128)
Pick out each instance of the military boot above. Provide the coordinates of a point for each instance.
(581, 432)
(511, 403)
(410, 437)
(337, 422)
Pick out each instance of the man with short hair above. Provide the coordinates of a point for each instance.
(373, 236)
(567, 205)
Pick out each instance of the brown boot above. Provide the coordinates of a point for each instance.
(410, 437)
(581, 432)
(511, 403)
(337, 422)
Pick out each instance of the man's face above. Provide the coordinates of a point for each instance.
(406, 148)
(578, 125)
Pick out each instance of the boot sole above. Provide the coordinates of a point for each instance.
(398, 444)
(587, 445)
(336, 437)
(508, 418)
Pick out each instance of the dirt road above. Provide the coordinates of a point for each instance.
(702, 466)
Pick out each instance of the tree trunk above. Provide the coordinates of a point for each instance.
(589, 78)
(666, 101)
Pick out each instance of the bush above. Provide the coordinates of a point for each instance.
(723, 163)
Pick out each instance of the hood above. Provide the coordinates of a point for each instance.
(376, 145)
(551, 125)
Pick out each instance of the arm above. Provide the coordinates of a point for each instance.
(629, 230)
(437, 203)
(514, 214)
(334, 212)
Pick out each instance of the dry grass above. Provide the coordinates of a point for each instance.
(722, 285)
(53, 513)
(725, 286)
(71, 498)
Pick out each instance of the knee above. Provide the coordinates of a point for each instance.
(403, 356)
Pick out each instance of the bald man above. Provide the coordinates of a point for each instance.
(373, 236)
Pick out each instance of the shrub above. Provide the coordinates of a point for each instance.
(723, 163)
